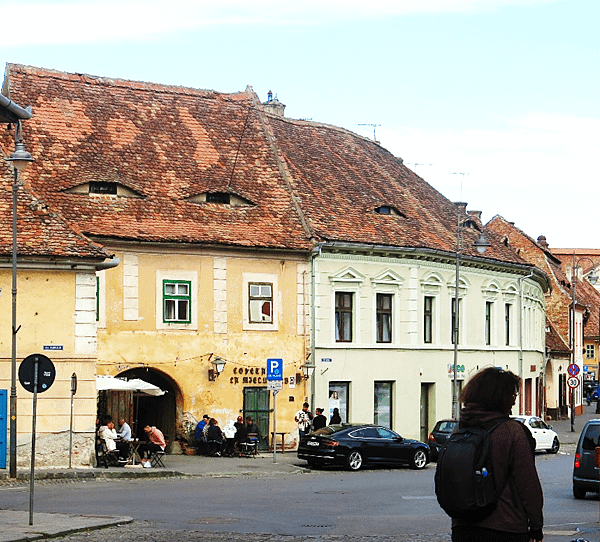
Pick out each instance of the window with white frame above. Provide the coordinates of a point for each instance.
(590, 351)
(384, 317)
(455, 332)
(260, 302)
(343, 316)
(488, 322)
(428, 319)
(507, 323)
(176, 301)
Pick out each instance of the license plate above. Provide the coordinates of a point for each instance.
(312, 443)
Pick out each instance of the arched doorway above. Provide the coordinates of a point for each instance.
(159, 411)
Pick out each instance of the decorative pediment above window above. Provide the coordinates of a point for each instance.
(491, 290)
(432, 284)
(347, 276)
(463, 286)
(388, 278)
(104, 188)
(511, 293)
(220, 198)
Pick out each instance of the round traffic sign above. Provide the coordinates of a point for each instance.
(573, 369)
(573, 382)
(46, 373)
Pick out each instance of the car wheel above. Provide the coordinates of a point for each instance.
(419, 460)
(578, 492)
(354, 460)
(555, 446)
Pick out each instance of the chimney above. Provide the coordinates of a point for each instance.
(542, 241)
(273, 105)
(462, 207)
(476, 216)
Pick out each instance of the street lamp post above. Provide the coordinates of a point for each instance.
(19, 159)
(481, 245)
(592, 278)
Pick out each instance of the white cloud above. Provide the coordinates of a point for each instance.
(542, 172)
(96, 21)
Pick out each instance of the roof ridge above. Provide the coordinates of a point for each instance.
(128, 83)
(283, 169)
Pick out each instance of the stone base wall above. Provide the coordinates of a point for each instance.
(52, 451)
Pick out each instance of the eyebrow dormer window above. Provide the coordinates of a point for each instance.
(99, 187)
(387, 210)
(218, 197)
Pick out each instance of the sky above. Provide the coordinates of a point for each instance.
(493, 102)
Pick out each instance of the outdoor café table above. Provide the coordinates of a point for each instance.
(274, 439)
(133, 450)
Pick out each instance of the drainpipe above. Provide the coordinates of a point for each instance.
(521, 279)
(313, 317)
(20, 112)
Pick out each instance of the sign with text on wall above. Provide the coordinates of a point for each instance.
(460, 371)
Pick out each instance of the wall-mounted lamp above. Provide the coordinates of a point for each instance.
(217, 368)
(307, 370)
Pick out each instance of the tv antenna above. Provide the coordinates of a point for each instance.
(374, 128)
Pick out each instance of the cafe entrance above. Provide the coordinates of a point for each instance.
(256, 405)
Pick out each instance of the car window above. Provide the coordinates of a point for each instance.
(446, 427)
(386, 433)
(535, 423)
(371, 432)
(543, 425)
(359, 433)
(592, 438)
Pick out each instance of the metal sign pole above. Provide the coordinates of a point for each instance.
(33, 420)
(73, 390)
(275, 426)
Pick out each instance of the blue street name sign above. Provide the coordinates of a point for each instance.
(274, 369)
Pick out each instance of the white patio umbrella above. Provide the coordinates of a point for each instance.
(106, 382)
(137, 385)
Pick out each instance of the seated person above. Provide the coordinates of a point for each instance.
(156, 443)
(109, 435)
(125, 435)
(241, 434)
(251, 426)
(215, 438)
(199, 435)
(229, 432)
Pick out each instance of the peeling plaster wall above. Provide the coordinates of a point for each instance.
(55, 309)
(184, 352)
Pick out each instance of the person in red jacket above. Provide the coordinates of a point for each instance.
(491, 393)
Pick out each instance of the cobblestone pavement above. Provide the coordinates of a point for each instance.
(147, 532)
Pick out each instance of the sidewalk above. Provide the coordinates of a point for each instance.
(15, 525)
(563, 427)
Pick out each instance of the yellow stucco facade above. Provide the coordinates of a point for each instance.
(55, 317)
(136, 336)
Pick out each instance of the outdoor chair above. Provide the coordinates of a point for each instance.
(156, 459)
(104, 457)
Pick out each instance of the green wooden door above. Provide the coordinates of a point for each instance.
(256, 405)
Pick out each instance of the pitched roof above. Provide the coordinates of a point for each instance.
(167, 147)
(40, 231)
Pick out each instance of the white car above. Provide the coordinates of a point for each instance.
(545, 437)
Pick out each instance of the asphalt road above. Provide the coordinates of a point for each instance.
(327, 504)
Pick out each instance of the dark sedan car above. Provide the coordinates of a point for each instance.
(355, 445)
(439, 435)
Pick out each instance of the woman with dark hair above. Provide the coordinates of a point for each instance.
(490, 394)
(335, 417)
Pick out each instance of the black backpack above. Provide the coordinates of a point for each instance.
(464, 482)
